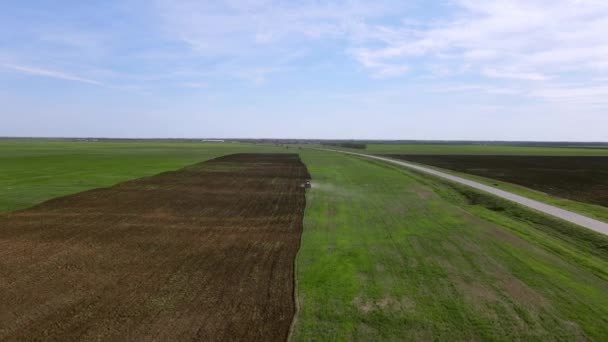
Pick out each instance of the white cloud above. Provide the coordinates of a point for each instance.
(252, 39)
(534, 49)
(532, 40)
(524, 40)
(265, 27)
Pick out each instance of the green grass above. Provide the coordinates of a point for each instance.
(32, 171)
(482, 149)
(390, 255)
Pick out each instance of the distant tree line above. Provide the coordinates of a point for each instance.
(360, 146)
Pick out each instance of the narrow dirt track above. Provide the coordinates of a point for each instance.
(204, 253)
(565, 215)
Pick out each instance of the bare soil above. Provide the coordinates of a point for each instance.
(583, 179)
(204, 253)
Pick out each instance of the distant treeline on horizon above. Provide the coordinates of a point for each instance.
(346, 145)
(332, 142)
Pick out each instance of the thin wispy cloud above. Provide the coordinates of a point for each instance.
(474, 88)
(237, 27)
(516, 75)
(47, 73)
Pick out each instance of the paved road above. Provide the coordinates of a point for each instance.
(566, 215)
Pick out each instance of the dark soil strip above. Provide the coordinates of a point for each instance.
(583, 179)
(204, 253)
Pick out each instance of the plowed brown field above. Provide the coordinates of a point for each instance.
(204, 253)
(583, 179)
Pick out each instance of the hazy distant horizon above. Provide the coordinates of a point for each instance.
(229, 139)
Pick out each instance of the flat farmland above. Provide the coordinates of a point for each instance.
(206, 252)
(388, 254)
(32, 171)
(583, 179)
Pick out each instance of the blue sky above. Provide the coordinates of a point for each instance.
(461, 69)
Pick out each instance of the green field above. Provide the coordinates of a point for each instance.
(34, 171)
(389, 255)
(386, 253)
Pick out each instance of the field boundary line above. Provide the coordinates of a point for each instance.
(551, 210)
(296, 302)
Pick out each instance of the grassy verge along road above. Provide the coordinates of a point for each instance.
(584, 208)
(563, 214)
(597, 212)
